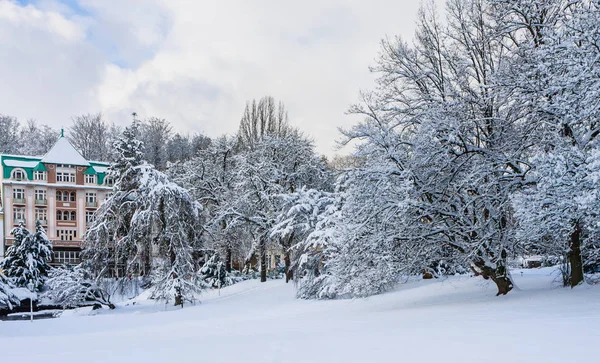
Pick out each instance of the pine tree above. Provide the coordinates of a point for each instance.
(27, 260)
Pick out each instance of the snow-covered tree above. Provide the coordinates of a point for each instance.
(37, 139)
(27, 259)
(9, 135)
(92, 136)
(301, 214)
(113, 218)
(273, 166)
(74, 287)
(441, 145)
(155, 134)
(214, 273)
(557, 87)
(209, 177)
(8, 299)
(149, 227)
(552, 213)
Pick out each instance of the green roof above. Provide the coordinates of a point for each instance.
(40, 167)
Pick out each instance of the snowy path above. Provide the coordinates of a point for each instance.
(457, 320)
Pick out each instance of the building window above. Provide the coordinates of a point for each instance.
(66, 257)
(89, 217)
(19, 174)
(90, 179)
(66, 234)
(64, 196)
(19, 194)
(19, 215)
(39, 175)
(41, 215)
(108, 195)
(109, 181)
(90, 199)
(66, 215)
(65, 177)
(40, 195)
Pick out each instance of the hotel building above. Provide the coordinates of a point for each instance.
(62, 190)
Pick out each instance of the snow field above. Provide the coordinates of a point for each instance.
(455, 320)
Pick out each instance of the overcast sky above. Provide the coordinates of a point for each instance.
(193, 62)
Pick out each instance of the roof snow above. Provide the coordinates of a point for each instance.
(64, 153)
(21, 164)
(100, 169)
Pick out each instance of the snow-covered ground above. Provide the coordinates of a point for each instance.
(456, 320)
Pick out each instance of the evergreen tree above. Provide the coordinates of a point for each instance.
(26, 261)
(128, 151)
(148, 227)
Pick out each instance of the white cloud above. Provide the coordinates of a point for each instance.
(48, 69)
(197, 62)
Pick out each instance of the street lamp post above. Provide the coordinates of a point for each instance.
(30, 286)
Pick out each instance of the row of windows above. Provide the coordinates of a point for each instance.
(65, 257)
(61, 196)
(66, 234)
(65, 177)
(65, 215)
(19, 174)
(61, 177)
(41, 214)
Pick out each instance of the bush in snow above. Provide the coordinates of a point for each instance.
(73, 287)
(214, 273)
(26, 261)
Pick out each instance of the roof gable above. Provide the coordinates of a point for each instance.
(64, 153)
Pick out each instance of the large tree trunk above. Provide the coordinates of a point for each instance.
(575, 256)
(499, 275)
(286, 244)
(289, 273)
(228, 259)
(263, 259)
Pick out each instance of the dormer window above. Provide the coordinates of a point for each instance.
(40, 175)
(19, 174)
(90, 179)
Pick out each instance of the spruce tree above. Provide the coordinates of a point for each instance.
(26, 262)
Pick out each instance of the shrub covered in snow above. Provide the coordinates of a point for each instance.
(73, 287)
(8, 298)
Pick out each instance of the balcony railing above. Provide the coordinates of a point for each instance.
(91, 204)
(18, 200)
(41, 202)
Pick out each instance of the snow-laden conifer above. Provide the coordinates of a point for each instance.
(27, 259)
